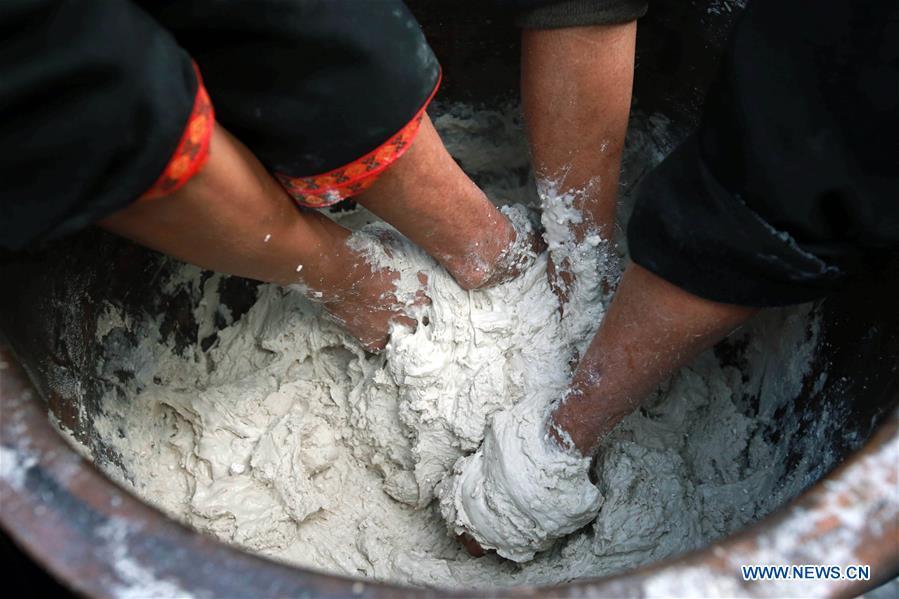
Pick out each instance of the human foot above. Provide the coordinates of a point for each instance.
(372, 309)
(427, 197)
(499, 257)
(369, 302)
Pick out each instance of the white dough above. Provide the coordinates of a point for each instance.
(520, 492)
(284, 437)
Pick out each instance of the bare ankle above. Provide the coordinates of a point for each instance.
(478, 267)
(500, 254)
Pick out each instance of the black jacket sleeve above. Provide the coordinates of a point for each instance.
(307, 85)
(791, 184)
(94, 97)
(552, 14)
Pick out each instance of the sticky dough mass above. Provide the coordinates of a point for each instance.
(286, 438)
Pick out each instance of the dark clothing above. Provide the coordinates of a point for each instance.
(307, 85)
(552, 14)
(95, 96)
(791, 183)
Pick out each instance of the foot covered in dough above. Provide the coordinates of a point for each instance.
(521, 490)
(371, 311)
(373, 300)
(503, 254)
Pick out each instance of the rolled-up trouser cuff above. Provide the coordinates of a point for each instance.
(581, 13)
(326, 189)
(92, 120)
(691, 231)
(193, 148)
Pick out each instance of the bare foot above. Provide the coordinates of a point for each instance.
(370, 308)
(502, 256)
(365, 298)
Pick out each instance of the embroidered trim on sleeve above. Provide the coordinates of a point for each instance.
(192, 150)
(319, 191)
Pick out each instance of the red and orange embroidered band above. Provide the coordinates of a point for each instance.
(192, 150)
(316, 191)
(323, 190)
